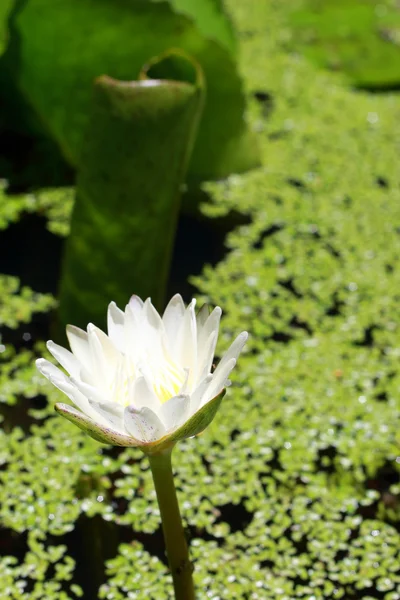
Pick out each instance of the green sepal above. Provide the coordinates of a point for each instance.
(193, 426)
(100, 433)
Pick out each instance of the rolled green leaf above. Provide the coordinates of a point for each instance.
(137, 147)
(62, 45)
(5, 9)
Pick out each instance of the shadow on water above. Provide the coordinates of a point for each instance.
(199, 241)
(32, 253)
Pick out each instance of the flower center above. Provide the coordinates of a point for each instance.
(162, 374)
(168, 381)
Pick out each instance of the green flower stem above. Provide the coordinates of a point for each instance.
(174, 535)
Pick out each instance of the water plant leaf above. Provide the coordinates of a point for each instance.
(121, 37)
(5, 10)
(210, 18)
(359, 38)
(136, 152)
(17, 304)
(53, 203)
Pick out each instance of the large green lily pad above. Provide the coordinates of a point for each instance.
(5, 9)
(134, 160)
(65, 44)
(358, 37)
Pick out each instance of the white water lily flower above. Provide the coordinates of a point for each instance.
(149, 382)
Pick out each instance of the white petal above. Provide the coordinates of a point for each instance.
(65, 385)
(115, 326)
(65, 358)
(133, 314)
(234, 349)
(118, 388)
(175, 411)
(111, 354)
(133, 327)
(185, 385)
(187, 340)
(141, 394)
(89, 391)
(143, 424)
(153, 331)
(105, 357)
(202, 316)
(49, 370)
(172, 319)
(152, 316)
(197, 396)
(112, 413)
(207, 337)
(205, 360)
(78, 340)
(135, 304)
(219, 379)
(210, 325)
